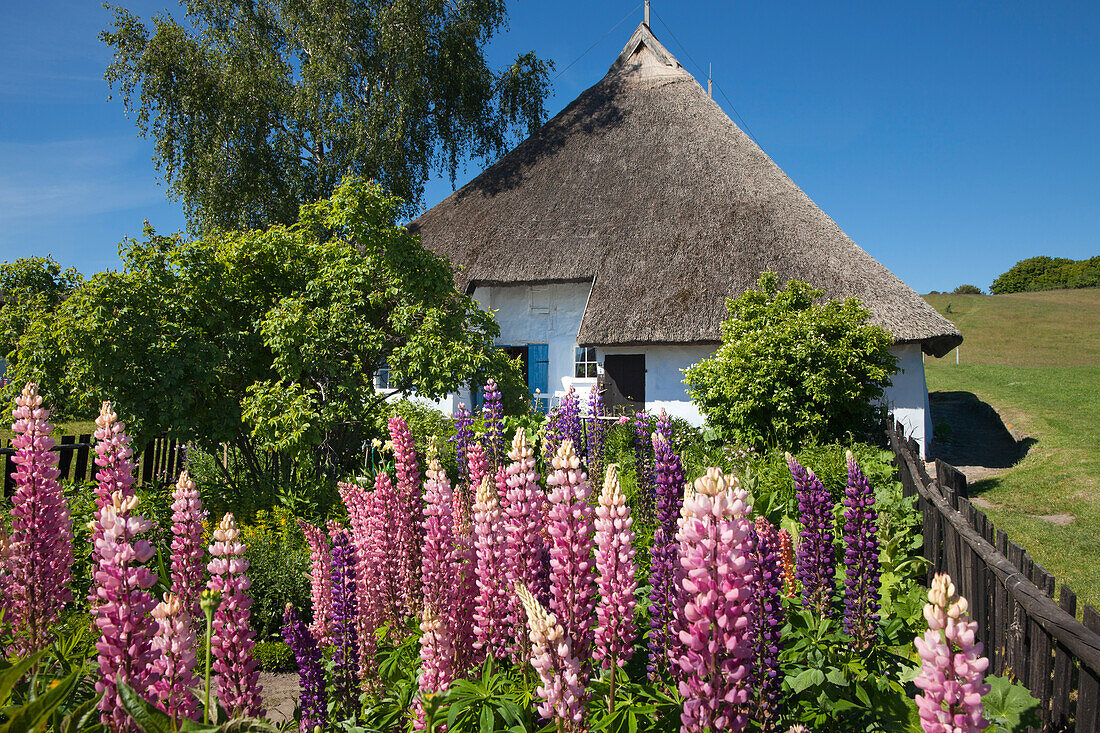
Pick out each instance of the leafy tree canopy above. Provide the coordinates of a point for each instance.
(269, 339)
(791, 370)
(257, 106)
(967, 289)
(1048, 273)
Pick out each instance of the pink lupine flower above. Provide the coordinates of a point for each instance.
(123, 604)
(237, 676)
(407, 526)
(188, 566)
(491, 610)
(174, 666)
(570, 526)
(715, 538)
(562, 689)
(464, 588)
(477, 466)
(436, 658)
(952, 665)
(39, 552)
(380, 562)
(615, 627)
(524, 528)
(320, 581)
(116, 474)
(439, 557)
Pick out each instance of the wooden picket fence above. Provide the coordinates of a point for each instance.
(1027, 634)
(159, 463)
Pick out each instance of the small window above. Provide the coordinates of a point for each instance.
(585, 363)
(382, 377)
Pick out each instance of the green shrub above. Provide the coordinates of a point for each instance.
(274, 656)
(791, 371)
(278, 559)
(967, 289)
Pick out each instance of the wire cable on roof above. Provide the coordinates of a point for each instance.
(744, 125)
(605, 35)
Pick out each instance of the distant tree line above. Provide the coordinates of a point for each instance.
(1048, 273)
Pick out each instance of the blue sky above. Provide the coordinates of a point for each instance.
(948, 139)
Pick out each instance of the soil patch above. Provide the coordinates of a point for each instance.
(280, 695)
(1061, 520)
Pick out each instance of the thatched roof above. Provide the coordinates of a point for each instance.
(645, 187)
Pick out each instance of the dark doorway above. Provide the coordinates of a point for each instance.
(525, 359)
(627, 371)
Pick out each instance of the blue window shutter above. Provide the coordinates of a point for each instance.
(538, 368)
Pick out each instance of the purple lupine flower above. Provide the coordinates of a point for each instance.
(570, 420)
(320, 580)
(345, 632)
(553, 434)
(595, 431)
(559, 668)
(174, 667)
(313, 698)
(463, 437)
(406, 531)
(615, 627)
(188, 553)
(952, 665)
(570, 527)
(860, 556)
(232, 643)
(491, 609)
(715, 581)
(494, 424)
(643, 465)
(40, 548)
(664, 425)
(767, 621)
(663, 563)
(123, 605)
(816, 553)
(524, 531)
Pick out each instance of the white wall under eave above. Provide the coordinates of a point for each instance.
(907, 396)
(664, 377)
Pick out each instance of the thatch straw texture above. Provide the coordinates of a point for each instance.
(645, 187)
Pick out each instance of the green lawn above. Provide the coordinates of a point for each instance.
(1036, 358)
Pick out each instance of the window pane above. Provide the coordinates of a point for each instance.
(591, 370)
(591, 353)
(579, 354)
(579, 371)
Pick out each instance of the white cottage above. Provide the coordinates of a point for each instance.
(609, 241)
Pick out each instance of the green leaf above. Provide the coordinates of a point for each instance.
(487, 719)
(1009, 707)
(29, 717)
(144, 713)
(10, 676)
(78, 719)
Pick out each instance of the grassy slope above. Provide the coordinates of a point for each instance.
(1036, 358)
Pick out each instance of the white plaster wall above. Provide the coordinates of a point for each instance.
(907, 396)
(664, 378)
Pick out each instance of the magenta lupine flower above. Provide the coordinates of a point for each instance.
(595, 432)
(320, 580)
(407, 535)
(312, 700)
(439, 558)
(464, 589)
(477, 468)
(643, 465)
(494, 424)
(952, 665)
(123, 606)
(524, 529)
(664, 555)
(231, 645)
(436, 658)
(463, 437)
(39, 550)
(860, 556)
(615, 627)
(116, 474)
(816, 553)
(188, 552)
(345, 625)
(174, 666)
(491, 610)
(562, 688)
(767, 622)
(570, 527)
(715, 649)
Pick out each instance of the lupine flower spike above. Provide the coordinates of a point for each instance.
(491, 609)
(767, 622)
(463, 437)
(320, 580)
(786, 559)
(345, 632)
(860, 556)
(407, 528)
(231, 646)
(643, 464)
(188, 553)
(440, 559)
(570, 526)
(313, 698)
(436, 655)
(595, 432)
(816, 553)
(116, 474)
(570, 420)
(615, 628)
(123, 606)
(714, 655)
(562, 689)
(39, 550)
(174, 667)
(524, 531)
(952, 665)
(494, 424)
(664, 560)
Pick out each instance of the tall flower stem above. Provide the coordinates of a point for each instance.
(816, 552)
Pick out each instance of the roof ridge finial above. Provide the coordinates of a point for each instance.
(646, 21)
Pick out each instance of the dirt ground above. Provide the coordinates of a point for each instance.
(280, 693)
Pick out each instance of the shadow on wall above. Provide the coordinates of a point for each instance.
(969, 432)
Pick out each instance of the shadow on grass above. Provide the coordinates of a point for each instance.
(969, 432)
